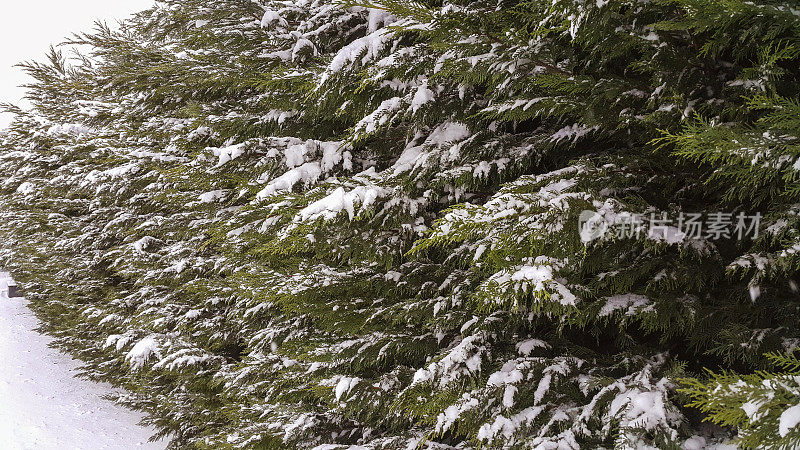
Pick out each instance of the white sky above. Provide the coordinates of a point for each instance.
(28, 27)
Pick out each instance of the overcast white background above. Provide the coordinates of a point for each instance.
(29, 27)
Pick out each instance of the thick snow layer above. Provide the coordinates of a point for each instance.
(422, 96)
(43, 406)
(345, 385)
(340, 200)
(308, 173)
(229, 153)
(789, 420)
(271, 17)
(141, 352)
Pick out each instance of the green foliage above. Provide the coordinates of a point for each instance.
(763, 406)
(291, 224)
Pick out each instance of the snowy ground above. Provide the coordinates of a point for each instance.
(43, 406)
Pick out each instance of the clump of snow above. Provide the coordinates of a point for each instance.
(630, 301)
(118, 341)
(668, 234)
(272, 17)
(695, 443)
(755, 292)
(277, 115)
(422, 96)
(447, 133)
(533, 275)
(229, 153)
(572, 133)
(69, 129)
(303, 422)
(365, 48)
(507, 426)
(447, 418)
(340, 200)
(308, 173)
(789, 420)
(464, 358)
(115, 172)
(753, 410)
(212, 196)
(639, 408)
(334, 153)
(479, 252)
(370, 123)
(296, 154)
(469, 324)
(538, 276)
(508, 374)
(142, 244)
(542, 388)
(142, 352)
(145, 243)
(508, 396)
(300, 46)
(393, 276)
(180, 359)
(344, 386)
(526, 347)
(379, 18)
(26, 188)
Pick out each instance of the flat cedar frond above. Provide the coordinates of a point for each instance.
(422, 224)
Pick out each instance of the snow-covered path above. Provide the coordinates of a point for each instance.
(43, 406)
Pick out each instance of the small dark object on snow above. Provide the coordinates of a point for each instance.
(14, 291)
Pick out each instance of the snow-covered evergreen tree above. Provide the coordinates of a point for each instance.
(319, 223)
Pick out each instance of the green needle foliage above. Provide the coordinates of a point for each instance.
(355, 224)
